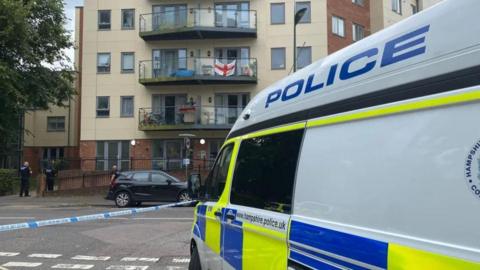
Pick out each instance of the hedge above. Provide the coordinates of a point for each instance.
(9, 181)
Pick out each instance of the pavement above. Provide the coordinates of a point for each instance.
(153, 240)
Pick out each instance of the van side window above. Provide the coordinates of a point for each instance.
(218, 175)
(265, 171)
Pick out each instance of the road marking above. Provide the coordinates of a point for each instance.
(46, 256)
(22, 264)
(169, 267)
(73, 266)
(2, 268)
(135, 259)
(146, 218)
(91, 258)
(181, 260)
(17, 218)
(127, 267)
(8, 254)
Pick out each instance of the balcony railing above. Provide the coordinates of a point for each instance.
(198, 70)
(195, 23)
(188, 117)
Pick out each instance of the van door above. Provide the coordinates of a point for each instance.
(216, 202)
(256, 219)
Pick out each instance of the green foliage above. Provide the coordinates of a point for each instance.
(8, 181)
(33, 65)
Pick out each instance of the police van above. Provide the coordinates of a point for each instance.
(367, 159)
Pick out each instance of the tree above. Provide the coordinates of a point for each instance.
(33, 66)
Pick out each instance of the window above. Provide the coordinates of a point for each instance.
(167, 154)
(53, 153)
(358, 2)
(126, 106)
(103, 106)
(141, 177)
(338, 26)
(104, 19)
(397, 6)
(128, 62)
(234, 15)
(307, 17)
(169, 16)
(128, 19)
(278, 58)
(358, 32)
(304, 56)
(103, 63)
(56, 123)
(218, 176)
(414, 9)
(111, 153)
(265, 171)
(277, 13)
(158, 178)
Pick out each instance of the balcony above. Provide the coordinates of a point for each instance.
(197, 70)
(188, 117)
(210, 23)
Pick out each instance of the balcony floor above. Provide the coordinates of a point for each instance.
(198, 32)
(199, 80)
(184, 127)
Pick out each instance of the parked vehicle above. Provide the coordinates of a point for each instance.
(134, 187)
(367, 159)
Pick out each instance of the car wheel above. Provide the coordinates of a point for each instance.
(122, 199)
(194, 260)
(183, 197)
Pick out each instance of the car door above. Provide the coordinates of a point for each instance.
(162, 190)
(216, 200)
(142, 186)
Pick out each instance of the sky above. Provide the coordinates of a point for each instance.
(70, 26)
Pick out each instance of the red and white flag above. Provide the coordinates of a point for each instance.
(225, 69)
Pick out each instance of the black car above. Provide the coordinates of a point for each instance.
(133, 188)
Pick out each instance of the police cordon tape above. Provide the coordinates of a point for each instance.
(50, 222)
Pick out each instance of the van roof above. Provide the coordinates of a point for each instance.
(415, 57)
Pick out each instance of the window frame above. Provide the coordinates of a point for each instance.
(123, 11)
(109, 63)
(399, 4)
(309, 12)
(333, 26)
(56, 118)
(126, 71)
(359, 2)
(284, 58)
(298, 54)
(99, 20)
(122, 98)
(354, 31)
(107, 109)
(282, 4)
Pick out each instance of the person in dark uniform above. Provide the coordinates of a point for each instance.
(25, 173)
(50, 173)
(115, 174)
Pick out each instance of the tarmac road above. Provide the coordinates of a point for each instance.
(154, 240)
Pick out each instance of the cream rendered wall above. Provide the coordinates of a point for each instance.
(382, 15)
(36, 134)
(116, 41)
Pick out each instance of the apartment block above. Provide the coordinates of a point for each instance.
(155, 72)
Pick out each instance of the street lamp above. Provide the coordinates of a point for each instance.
(298, 16)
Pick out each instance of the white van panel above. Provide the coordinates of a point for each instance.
(398, 178)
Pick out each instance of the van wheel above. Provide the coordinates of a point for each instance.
(194, 260)
(122, 199)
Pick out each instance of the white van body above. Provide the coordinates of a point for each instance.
(388, 168)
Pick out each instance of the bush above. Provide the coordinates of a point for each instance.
(8, 181)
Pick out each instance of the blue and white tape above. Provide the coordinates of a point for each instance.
(50, 222)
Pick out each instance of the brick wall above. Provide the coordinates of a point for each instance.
(87, 155)
(351, 13)
(33, 156)
(142, 155)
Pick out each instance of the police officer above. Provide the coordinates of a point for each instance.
(50, 173)
(25, 173)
